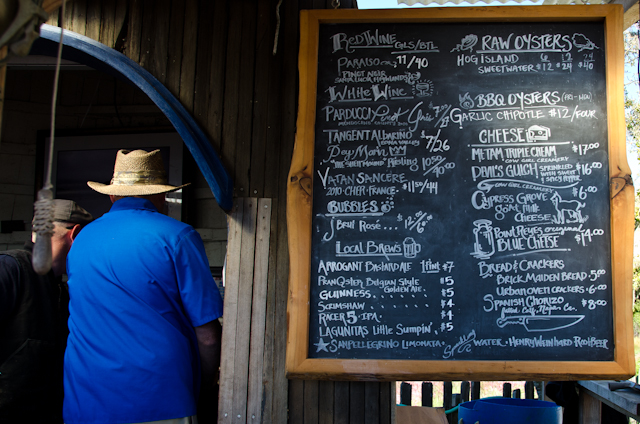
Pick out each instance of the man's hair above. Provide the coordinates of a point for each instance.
(67, 224)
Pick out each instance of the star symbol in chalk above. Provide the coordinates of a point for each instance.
(321, 345)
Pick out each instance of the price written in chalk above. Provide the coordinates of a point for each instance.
(417, 221)
(436, 165)
(412, 60)
(587, 168)
(595, 274)
(593, 303)
(593, 288)
(423, 187)
(582, 149)
(582, 192)
(586, 236)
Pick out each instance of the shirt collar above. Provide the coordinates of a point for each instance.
(132, 203)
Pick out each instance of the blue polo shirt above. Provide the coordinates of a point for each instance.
(139, 283)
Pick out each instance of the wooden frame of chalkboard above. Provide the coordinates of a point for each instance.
(510, 257)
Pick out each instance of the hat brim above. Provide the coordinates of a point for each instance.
(133, 190)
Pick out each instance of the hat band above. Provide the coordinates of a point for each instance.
(139, 178)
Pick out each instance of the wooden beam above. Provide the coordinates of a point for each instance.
(3, 77)
(630, 16)
(589, 410)
(243, 313)
(51, 5)
(627, 4)
(258, 313)
(624, 401)
(232, 277)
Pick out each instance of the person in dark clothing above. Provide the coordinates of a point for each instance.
(565, 394)
(33, 324)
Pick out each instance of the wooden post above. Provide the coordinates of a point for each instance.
(475, 390)
(464, 391)
(528, 390)
(448, 398)
(427, 394)
(516, 394)
(589, 409)
(506, 390)
(259, 311)
(242, 366)
(448, 401)
(405, 393)
(230, 325)
(453, 416)
(3, 77)
(540, 389)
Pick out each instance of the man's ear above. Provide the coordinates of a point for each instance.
(113, 198)
(73, 233)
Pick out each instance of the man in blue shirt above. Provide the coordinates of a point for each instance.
(144, 307)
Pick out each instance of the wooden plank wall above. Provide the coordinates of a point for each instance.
(242, 385)
(233, 65)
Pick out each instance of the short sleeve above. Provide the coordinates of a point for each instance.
(200, 296)
(9, 282)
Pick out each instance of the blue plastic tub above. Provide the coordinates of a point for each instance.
(509, 411)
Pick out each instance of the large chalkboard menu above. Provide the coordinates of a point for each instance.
(460, 193)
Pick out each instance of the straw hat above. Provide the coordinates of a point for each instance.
(136, 173)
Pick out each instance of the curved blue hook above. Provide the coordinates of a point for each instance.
(89, 52)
